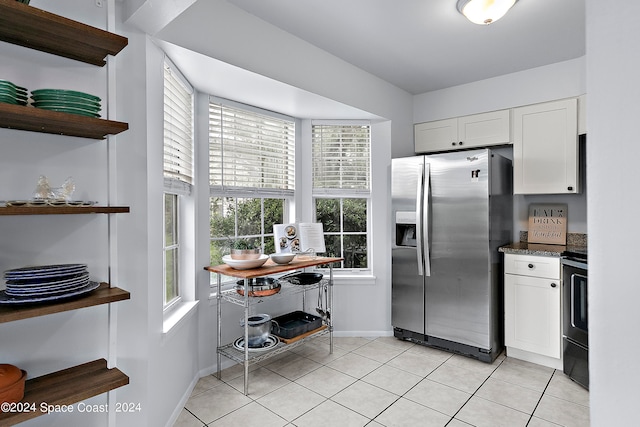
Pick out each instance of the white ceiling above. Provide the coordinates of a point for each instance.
(425, 45)
(416, 45)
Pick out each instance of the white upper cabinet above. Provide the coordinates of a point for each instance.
(545, 148)
(436, 136)
(478, 130)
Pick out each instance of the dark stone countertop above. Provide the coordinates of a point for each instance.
(576, 242)
(524, 248)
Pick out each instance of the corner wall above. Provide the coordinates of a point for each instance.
(614, 202)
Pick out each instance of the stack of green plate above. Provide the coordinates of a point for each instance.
(12, 94)
(66, 101)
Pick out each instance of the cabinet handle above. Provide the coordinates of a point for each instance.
(570, 188)
(460, 143)
(530, 266)
(553, 285)
(453, 143)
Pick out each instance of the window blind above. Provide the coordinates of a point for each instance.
(178, 128)
(250, 151)
(341, 159)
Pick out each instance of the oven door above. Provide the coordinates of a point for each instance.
(575, 317)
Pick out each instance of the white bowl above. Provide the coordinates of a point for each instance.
(244, 264)
(282, 258)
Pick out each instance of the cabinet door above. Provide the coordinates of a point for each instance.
(436, 136)
(545, 148)
(582, 114)
(532, 314)
(480, 130)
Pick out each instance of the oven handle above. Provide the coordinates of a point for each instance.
(573, 300)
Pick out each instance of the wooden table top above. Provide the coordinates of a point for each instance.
(271, 267)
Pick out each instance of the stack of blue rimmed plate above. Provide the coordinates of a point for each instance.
(12, 94)
(66, 101)
(45, 283)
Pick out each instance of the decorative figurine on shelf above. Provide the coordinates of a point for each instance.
(44, 191)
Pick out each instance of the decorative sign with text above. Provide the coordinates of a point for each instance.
(548, 224)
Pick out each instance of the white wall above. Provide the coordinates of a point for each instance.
(561, 80)
(162, 367)
(612, 84)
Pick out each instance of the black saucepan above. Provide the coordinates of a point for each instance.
(302, 278)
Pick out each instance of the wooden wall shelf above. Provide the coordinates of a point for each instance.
(66, 387)
(24, 117)
(103, 295)
(62, 210)
(47, 32)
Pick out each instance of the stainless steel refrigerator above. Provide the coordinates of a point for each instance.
(450, 214)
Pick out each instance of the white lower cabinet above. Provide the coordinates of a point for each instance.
(532, 307)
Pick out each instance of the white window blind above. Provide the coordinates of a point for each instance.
(341, 159)
(250, 151)
(178, 128)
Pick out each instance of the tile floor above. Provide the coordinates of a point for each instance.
(386, 382)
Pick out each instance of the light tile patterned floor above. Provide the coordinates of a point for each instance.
(386, 382)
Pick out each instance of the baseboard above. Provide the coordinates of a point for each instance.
(538, 359)
(363, 334)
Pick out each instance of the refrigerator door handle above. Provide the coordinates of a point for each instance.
(425, 218)
(419, 193)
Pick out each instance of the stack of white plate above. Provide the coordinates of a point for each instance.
(67, 101)
(12, 94)
(45, 283)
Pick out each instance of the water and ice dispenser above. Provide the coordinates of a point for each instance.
(406, 229)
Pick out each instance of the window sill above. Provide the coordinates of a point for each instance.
(178, 315)
(353, 279)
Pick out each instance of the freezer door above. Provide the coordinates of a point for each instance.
(458, 291)
(407, 270)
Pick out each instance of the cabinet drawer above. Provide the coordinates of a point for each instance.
(532, 265)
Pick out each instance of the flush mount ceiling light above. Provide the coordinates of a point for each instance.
(484, 12)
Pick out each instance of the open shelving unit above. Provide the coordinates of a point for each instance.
(37, 29)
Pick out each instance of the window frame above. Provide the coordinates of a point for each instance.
(288, 196)
(177, 298)
(341, 194)
(179, 189)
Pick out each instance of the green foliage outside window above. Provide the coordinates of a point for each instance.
(250, 218)
(345, 227)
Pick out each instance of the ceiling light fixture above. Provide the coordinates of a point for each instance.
(484, 12)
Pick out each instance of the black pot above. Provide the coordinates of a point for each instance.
(303, 278)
